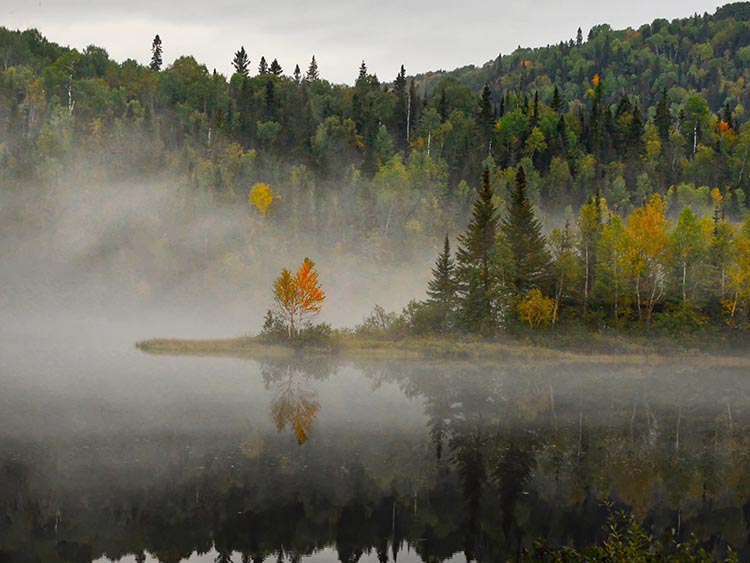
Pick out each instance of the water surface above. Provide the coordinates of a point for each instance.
(107, 453)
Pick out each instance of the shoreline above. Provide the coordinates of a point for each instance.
(623, 350)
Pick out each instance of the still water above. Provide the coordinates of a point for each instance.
(110, 454)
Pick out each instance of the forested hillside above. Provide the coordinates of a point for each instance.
(384, 168)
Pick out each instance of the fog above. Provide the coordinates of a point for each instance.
(155, 258)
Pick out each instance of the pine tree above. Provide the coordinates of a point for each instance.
(263, 67)
(523, 232)
(275, 68)
(297, 74)
(442, 287)
(401, 113)
(486, 117)
(662, 119)
(241, 62)
(579, 37)
(476, 269)
(556, 100)
(156, 54)
(362, 71)
(312, 71)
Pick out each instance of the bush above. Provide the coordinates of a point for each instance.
(319, 335)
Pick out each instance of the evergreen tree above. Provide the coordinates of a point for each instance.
(241, 62)
(297, 74)
(441, 289)
(401, 113)
(312, 71)
(486, 117)
(662, 119)
(523, 232)
(579, 37)
(726, 116)
(362, 71)
(263, 67)
(156, 54)
(415, 108)
(275, 68)
(556, 100)
(476, 268)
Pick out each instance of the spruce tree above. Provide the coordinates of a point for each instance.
(262, 67)
(275, 68)
(241, 62)
(441, 289)
(579, 37)
(156, 54)
(556, 100)
(312, 71)
(662, 119)
(297, 74)
(476, 270)
(523, 232)
(486, 117)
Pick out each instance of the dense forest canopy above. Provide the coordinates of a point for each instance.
(383, 169)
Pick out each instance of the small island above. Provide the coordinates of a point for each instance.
(626, 291)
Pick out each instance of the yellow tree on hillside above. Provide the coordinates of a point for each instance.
(261, 197)
(298, 298)
(646, 252)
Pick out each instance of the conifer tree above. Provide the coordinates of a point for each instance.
(362, 71)
(275, 68)
(486, 117)
(156, 54)
(312, 71)
(662, 120)
(476, 266)
(401, 113)
(441, 289)
(556, 100)
(579, 37)
(263, 67)
(523, 232)
(297, 74)
(241, 62)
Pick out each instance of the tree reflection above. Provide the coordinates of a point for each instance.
(494, 459)
(294, 402)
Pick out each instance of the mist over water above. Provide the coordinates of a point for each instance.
(112, 453)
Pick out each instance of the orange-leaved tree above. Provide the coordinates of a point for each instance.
(298, 297)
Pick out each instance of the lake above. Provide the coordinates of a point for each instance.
(107, 453)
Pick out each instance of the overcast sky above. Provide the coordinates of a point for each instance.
(422, 35)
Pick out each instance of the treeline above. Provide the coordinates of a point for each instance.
(645, 269)
(625, 113)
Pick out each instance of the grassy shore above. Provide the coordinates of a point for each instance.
(591, 348)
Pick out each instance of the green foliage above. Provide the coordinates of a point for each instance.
(476, 265)
(317, 335)
(627, 540)
(523, 231)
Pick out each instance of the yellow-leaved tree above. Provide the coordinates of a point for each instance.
(298, 297)
(261, 197)
(646, 253)
(537, 309)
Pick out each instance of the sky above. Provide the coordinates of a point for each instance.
(421, 35)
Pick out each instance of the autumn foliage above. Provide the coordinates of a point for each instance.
(261, 197)
(298, 298)
(537, 310)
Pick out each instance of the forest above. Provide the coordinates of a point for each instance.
(601, 179)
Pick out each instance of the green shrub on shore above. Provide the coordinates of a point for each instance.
(627, 542)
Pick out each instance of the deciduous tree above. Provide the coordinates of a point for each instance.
(298, 298)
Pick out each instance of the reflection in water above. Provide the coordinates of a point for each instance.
(480, 460)
(294, 398)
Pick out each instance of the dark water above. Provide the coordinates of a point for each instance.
(110, 454)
